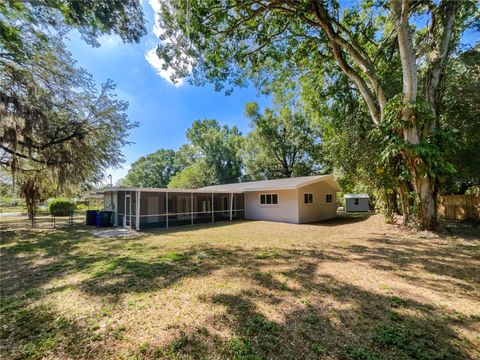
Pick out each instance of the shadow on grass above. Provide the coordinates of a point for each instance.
(35, 331)
(457, 264)
(344, 219)
(368, 326)
(320, 316)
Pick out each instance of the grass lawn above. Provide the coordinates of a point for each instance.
(12, 209)
(352, 288)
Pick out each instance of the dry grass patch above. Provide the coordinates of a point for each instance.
(351, 288)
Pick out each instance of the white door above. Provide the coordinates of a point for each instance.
(127, 219)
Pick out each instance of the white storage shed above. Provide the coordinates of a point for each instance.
(357, 202)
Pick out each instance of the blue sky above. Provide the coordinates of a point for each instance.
(163, 110)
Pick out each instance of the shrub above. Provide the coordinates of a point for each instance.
(82, 207)
(61, 207)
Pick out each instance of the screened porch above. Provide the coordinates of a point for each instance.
(163, 209)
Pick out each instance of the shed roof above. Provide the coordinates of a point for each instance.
(277, 184)
(357, 196)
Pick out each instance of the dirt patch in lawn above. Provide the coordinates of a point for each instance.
(350, 288)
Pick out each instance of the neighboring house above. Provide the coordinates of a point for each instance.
(294, 200)
(357, 202)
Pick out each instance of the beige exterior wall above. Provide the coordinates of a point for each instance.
(320, 209)
(285, 211)
(291, 207)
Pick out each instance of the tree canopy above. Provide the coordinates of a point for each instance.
(58, 128)
(282, 143)
(461, 117)
(218, 147)
(26, 26)
(153, 170)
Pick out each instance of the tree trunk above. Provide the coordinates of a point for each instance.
(427, 205)
(422, 184)
(406, 203)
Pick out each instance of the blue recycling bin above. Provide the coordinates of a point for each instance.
(105, 218)
(91, 217)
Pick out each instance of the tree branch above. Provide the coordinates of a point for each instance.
(400, 10)
(441, 34)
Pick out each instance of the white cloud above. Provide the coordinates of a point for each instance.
(157, 64)
(155, 4)
(151, 55)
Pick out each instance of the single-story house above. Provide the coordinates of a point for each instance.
(357, 202)
(294, 200)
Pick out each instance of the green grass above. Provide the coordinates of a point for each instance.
(12, 209)
(353, 288)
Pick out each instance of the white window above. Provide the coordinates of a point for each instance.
(268, 199)
(356, 201)
(308, 198)
(328, 198)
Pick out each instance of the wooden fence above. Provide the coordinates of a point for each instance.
(459, 207)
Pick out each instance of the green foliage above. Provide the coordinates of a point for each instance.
(355, 353)
(461, 120)
(58, 141)
(282, 143)
(212, 156)
(27, 26)
(194, 176)
(242, 349)
(61, 206)
(59, 129)
(34, 187)
(433, 149)
(153, 170)
(218, 147)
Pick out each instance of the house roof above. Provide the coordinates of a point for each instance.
(357, 196)
(278, 184)
(144, 189)
(264, 185)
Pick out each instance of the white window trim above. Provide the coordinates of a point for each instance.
(326, 202)
(313, 199)
(268, 205)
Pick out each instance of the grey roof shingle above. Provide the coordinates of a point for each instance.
(278, 184)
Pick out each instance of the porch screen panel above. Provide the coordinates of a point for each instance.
(202, 208)
(120, 207)
(179, 208)
(133, 209)
(152, 210)
(221, 206)
(238, 206)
